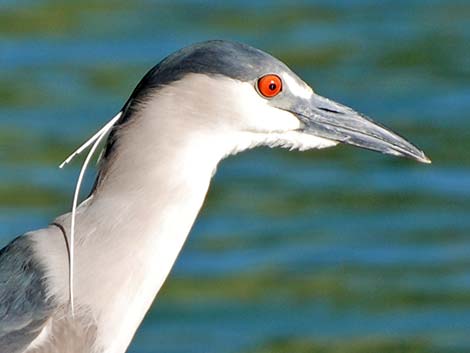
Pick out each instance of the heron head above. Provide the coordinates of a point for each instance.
(251, 98)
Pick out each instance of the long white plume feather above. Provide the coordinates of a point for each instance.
(95, 140)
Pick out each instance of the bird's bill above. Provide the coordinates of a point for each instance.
(328, 119)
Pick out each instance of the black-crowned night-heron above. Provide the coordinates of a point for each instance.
(197, 106)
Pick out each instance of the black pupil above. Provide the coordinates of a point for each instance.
(272, 86)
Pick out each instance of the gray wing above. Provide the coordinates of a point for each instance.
(24, 307)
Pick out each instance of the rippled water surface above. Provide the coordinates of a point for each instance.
(341, 250)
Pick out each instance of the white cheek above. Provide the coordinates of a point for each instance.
(259, 116)
(301, 90)
(263, 124)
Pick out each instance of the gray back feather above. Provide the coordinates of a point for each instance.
(24, 307)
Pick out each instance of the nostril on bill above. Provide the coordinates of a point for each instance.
(330, 110)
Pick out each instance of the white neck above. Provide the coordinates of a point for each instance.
(149, 200)
(129, 233)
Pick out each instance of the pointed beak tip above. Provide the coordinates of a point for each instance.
(425, 159)
(420, 157)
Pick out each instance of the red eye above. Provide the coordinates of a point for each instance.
(270, 85)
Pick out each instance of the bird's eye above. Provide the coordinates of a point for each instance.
(270, 85)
